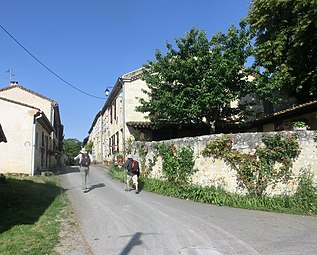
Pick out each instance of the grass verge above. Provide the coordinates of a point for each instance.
(32, 209)
(304, 201)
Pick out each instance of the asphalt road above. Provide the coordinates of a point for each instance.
(116, 222)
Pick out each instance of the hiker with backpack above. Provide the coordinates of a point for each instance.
(84, 161)
(133, 172)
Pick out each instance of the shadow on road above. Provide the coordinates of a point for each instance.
(94, 186)
(133, 242)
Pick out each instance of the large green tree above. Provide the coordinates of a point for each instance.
(286, 46)
(71, 148)
(194, 82)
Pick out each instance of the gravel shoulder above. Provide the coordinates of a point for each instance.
(71, 239)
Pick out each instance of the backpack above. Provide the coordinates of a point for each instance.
(135, 167)
(85, 159)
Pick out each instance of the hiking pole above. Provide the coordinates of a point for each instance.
(126, 179)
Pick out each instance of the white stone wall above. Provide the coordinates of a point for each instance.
(16, 153)
(215, 172)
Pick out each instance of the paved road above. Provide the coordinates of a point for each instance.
(115, 222)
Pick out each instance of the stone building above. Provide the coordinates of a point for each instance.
(110, 131)
(33, 129)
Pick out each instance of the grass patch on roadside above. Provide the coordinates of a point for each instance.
(304, 201)
(32, 209)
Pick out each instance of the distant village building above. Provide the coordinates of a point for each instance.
(33, 129)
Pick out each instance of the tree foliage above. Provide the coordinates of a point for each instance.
(71, 147)
(193, 83)
(286, 45)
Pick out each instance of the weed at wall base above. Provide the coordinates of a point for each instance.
(304, 201)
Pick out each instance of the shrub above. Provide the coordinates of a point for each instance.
(178, 163)
(256, 170)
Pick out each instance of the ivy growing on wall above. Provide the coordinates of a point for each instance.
(128, 145)
(178, 163)
(256, 170)
(142, 151)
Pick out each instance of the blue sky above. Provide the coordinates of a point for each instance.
(90, 44)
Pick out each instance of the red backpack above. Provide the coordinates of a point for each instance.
(135, 167)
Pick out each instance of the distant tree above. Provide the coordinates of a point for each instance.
(71, 147)
(194, 83)
(286, 46)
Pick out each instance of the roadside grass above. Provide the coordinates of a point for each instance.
(304, 201)
(31, 212)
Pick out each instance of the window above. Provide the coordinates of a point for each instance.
(117, 135)
(42, 150)
(113, 144)
(37, 140)
(115, 110)
(111, 114)
(46, 149)
(42, 142)
(110, 147)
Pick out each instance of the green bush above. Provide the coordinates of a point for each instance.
(178, 163)
(306, 194)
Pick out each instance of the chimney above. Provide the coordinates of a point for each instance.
(12, 83)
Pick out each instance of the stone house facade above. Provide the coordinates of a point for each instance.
(33, 130)
(110, 132)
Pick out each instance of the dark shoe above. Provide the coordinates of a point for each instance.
(136, 192)
(127, 190)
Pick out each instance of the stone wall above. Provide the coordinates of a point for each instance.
(215, 172)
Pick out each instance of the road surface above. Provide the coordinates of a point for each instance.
(116, 222)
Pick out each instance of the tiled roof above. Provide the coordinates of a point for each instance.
(149, 124)
(140, 124)
(133, 75)
(307, 105)
(289, 112)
